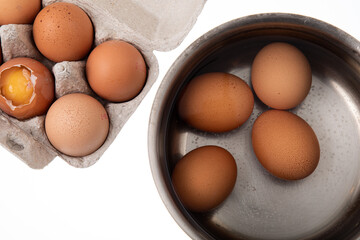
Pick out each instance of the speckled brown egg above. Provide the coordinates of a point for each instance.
(285, 145)
(281, 75)
(18, 11)
(63, 32)
(77, 124)
(204, 178)
(26, 88)
(116, 71)
(216, 102)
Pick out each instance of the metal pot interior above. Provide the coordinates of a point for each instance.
(324, 205)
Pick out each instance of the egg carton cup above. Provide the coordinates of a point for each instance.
(148, 25)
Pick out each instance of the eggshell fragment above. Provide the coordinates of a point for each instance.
(63, 32)
(18, 11)
(77, 124)
(37, 77)
(281, 75)
(204, 178)
(285, 145)
(216, 102)
(116, 71)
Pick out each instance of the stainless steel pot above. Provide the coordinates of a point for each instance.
(324, 205)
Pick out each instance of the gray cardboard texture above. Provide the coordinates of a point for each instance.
(148, 25)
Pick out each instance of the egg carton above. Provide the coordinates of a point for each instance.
(148, 25)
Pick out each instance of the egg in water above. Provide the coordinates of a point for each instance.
(281, 75)
(216, 102)
(204, 178)
(285, 145)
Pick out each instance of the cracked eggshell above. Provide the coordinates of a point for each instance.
(42, 84)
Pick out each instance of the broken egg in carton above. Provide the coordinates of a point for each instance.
(144, 25)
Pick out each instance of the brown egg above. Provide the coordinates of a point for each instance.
(216, 102)
(77, 124)
(116, 71)
(281, 76)
(18, 11)
(63, 32)
(204, 178)
(26, 88)
(0, 56)
(285, 145)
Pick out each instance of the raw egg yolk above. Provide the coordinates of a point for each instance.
(16, 85)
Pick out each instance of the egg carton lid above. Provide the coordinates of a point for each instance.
(152, 24)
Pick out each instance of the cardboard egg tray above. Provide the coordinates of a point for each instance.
(148, 25)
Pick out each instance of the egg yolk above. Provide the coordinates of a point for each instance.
(16, 85)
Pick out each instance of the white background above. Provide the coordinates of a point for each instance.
(116, 198)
